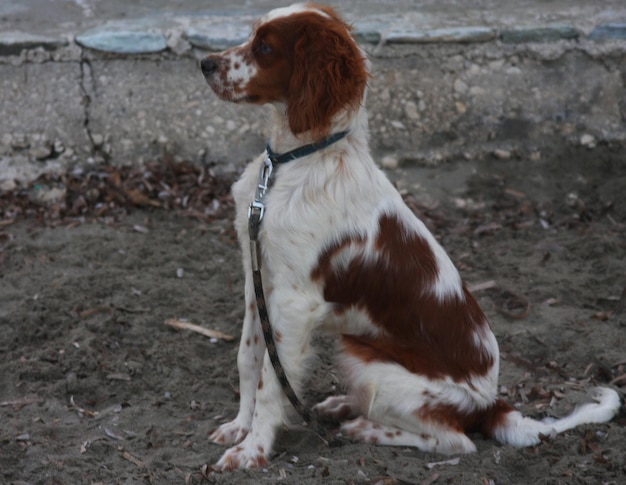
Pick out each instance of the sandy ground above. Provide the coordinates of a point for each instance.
(95, 388)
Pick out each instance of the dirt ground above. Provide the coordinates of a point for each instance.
(95, 388)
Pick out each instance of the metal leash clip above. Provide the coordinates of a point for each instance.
(256, 211)
(261, 189)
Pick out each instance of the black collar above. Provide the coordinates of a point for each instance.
(304, 150)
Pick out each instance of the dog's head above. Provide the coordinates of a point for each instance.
(302, 56)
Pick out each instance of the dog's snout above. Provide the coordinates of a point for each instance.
(208, 66)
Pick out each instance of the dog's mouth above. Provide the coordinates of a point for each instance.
(228, 91)
(231, 92)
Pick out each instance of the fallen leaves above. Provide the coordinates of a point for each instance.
(109, 191)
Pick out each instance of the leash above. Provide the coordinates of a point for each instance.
(256, 212)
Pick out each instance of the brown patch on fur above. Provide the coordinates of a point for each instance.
(485, 421)
(329, 73)
(393, 286)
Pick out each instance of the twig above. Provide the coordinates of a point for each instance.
(452, 461)
(20, 403)
(618, 379)
(74, 407)
(431, 480)
(485, 285)
(180, 325)
(134, 460)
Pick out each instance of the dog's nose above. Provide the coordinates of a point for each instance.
(208, 66)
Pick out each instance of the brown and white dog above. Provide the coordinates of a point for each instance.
(343, 254)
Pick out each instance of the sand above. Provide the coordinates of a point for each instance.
(95, 388)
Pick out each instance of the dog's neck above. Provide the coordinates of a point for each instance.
(282, 139)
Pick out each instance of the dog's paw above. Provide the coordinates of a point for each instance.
(338, 407)
(229, 433)
(245, 455)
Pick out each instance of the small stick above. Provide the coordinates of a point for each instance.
(20, 403)
(180, 325)
(80, 410)
(485, 285)
(618, 379)
(134, 460)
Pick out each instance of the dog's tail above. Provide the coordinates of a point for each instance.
(508, 426)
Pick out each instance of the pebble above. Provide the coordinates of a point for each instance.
(410, 109)
(502, 154)
(477, 91)
(6, 185)
(97, 140)
(41, 152)
(513, 71)
(460, 87)
(588, 140)
(177, 43)
(390, 162)
(47, 196)
(6, 139)
(19, 142)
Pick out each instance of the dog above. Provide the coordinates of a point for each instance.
(341, 253)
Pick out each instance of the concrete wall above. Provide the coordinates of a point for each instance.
(428, 103)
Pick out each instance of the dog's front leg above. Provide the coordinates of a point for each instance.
(249, 362)
(254, 450)
(291, 323)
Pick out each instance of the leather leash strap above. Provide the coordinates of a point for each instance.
(256, 211)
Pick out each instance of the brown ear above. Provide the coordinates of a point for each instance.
(329, 74)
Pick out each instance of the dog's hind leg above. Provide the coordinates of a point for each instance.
(442, 440)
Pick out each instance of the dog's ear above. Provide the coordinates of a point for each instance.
(329, 74)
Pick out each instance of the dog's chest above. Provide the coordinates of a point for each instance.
(292, 229)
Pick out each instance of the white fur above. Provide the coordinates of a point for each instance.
(294, 9)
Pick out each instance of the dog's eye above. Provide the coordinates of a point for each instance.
(263, 48)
